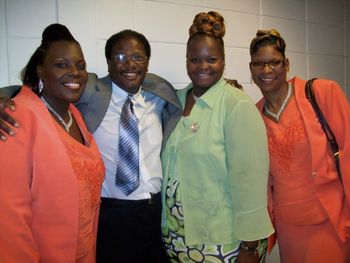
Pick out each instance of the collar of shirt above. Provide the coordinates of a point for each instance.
(148, 109)
(208, 98)
(138, 99)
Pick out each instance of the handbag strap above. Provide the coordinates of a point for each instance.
(325, 127)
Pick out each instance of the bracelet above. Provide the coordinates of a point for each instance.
(254, 250)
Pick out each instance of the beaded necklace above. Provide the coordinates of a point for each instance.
(277, 115)
(66, 125)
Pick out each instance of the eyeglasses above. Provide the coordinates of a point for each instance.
(273, 64)
(122, 58)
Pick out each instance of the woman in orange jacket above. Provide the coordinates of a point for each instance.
(51, 174)
(309, 205)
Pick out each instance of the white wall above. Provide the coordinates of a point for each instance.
(317, 33)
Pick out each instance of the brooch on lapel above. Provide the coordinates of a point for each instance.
(194, 127)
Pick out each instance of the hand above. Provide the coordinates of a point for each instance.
(245, 256)
(234, 83)
(6, 121)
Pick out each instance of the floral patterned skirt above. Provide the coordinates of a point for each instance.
(174, 239)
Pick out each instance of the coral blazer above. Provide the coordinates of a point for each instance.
(334, 197)
(39, 202)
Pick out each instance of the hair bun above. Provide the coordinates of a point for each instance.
(211, 23)
(56, 32)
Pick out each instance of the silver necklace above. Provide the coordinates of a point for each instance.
(194, 96)
(66, 125)
(277, 116)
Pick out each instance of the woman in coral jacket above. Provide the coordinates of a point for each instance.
(52, 172)
(309, 205)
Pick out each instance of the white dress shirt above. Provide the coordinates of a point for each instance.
(147, 108)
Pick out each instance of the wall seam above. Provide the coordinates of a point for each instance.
(307, 40)
(346, 82)
(7, 46)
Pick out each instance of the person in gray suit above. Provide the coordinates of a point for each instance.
(129, 224)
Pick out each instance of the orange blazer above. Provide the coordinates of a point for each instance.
(334, 197)
(39, 203)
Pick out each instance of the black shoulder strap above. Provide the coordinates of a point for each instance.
(325, 127)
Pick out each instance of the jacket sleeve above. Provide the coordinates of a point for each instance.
(248, 165)
(336, 109)
(16, 238)
(85, 97)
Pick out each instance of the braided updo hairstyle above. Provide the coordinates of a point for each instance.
(51, 34)
(269, 37)
(209, 24)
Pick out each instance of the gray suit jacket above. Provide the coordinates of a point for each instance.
(94, 102)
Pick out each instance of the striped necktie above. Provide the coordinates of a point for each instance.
(127, 177)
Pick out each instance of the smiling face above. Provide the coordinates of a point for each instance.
(129, 75)
(269, 79)
(63, 72)
(205, 63)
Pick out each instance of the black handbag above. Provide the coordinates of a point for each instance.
(325, 127)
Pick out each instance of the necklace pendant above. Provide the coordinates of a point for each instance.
(194, 127)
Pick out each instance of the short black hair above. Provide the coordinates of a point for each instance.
(125, 34)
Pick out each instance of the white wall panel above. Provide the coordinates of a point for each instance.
(347, 13)
(164, 22)
(24, 32)
(246, 6)
(325, 39)
(112, 16)
(327, 12)
(179, 86)
(86, 38)
(237, 64)
(181, 2)
(287, 9)
(330, 67)
(347, 41)
(298, 65)
(101, 61)
(240, 28)
(292, 31)
(19, 54)
(28, 18)
(347, 72)
(255, 94)
(169, 61)
(4, 68)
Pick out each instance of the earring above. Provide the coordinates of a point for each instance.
(40, 86)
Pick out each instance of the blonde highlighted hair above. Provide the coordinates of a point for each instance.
(267, 38)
